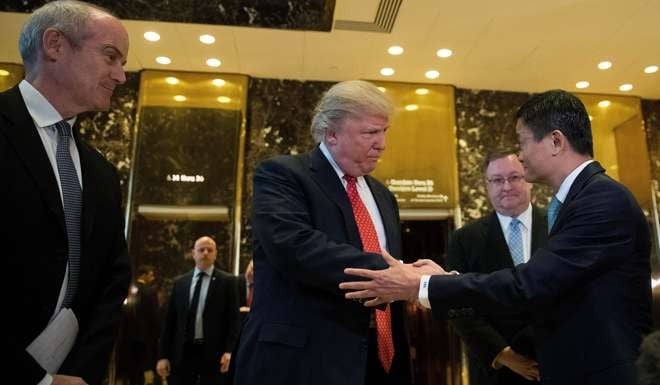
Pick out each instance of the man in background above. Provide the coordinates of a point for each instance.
(202, 322)
(500, 347)
(62, 235)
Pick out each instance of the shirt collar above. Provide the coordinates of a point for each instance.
(340, 173)
(208, 271)
(525, 218)
(42, 112)
(568, 181)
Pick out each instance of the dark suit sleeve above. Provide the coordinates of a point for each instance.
(597, 233)
(285, 230)
(94, 344)
(479, 335)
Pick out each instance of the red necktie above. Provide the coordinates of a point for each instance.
(370, 244)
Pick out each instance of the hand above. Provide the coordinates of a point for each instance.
(60, 379)
(428, 267)
(399, 282)
(163, 367)
(224, 362)
(524, 366)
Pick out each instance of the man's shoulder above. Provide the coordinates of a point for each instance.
(475, 225)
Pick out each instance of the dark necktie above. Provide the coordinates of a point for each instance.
(72, 199)
(370, 244)
(192, 309)
(553, 211)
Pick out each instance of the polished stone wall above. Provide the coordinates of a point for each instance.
(312, 15)
(279, 117)
(485, 120)
(651, 114)
(112, 132)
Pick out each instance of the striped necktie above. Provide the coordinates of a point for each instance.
(553, 211)
(515, 242)
(72, 199)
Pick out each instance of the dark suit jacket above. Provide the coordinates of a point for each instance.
(34, 248)
(481, 247)
(220, 318)
(589, 288)
(301, 329)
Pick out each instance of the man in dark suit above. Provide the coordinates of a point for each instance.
(202, 323)
(62, 237)
(589, 288)
(137, 346)
(500, 347)
(314, 215)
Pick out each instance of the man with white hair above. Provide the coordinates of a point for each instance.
(64, 252)
(315, 214)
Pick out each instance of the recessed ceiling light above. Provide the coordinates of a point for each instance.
(151, 36)
(381, 89)
(411, 107)
(651, 69)
(605, 65)
(387, 71)
(171, 80)
(422, 91)
(432, 74)
(163, 60)
(395, 50)
(604, 103)
(213, 62)
(180, 98)
(444, 52)
(625, 87)
(218, 82)
(4, 73)
(224, 99)
(207, 39)
(582, 84)
(591, 118)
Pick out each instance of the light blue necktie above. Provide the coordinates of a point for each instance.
(515, 242)
(72, 197)
(553, 210)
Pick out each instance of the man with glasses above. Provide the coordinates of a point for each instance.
(500, 347)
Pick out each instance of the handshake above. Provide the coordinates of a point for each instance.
(398, 282)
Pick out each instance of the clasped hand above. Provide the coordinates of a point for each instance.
(398, 282)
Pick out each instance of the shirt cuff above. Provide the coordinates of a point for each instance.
(47, 380)
(496, 361)
(424, 291)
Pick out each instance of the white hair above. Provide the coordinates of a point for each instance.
(353, 98)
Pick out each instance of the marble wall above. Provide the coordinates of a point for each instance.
(112, 132)
(279, 116)
(651, 115)
(313, 15)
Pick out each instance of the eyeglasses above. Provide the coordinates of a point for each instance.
(499, 181)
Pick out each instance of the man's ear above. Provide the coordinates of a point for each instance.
(52, 44)
(559, 142)
(330, 137)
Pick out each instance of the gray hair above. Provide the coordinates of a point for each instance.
(68, 16)
(353, 98)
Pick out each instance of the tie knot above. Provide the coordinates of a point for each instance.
(63, 128)
(350, 179)
(514, 222)
(201, 274)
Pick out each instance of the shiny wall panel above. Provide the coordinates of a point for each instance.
(10, 75)
(187, 163)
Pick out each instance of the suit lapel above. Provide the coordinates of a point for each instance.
(323, 174)
(583, 177)
(495, 241)
(539, 229)
(187, 282)
(23, 135)
(89, 183)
